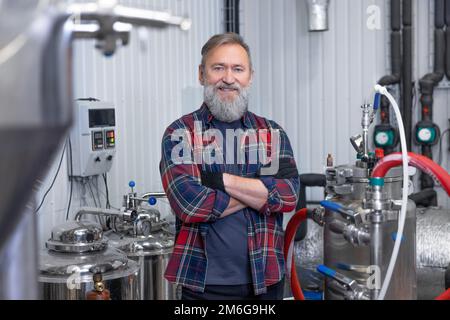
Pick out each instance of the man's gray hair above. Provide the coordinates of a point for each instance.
(223, 39)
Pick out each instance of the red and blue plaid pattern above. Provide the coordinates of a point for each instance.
(197, 206)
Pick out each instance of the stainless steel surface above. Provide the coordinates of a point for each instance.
(366, 121)
(18, 261)
(68, 274)
(318, 15)
(153, 194)
(350, 182)
(152, 254)
(432, 254)
(354, 261)
(35, 91)
(121, 288)
(77, 236)
(376, 245)
(108, 22)
(127, 215)
(32, 122)
(36, 98)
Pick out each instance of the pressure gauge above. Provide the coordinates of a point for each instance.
(426, 135)
(384, 138)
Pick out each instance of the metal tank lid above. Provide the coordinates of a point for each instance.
(77, 236)
(154, 244)
(79, 247)
(359, 175)
(59, 267)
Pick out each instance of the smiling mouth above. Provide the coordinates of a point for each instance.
(228, 90)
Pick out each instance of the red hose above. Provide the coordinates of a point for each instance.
(444, 296)
(291, 230)
(421, 162)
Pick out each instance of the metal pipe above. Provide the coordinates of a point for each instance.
(113, 13)
(407, 13)
(395, 76)
(153, 194)
(318, 15)
(366, 121)
(105, 212)
(439, 14)
(231, 11)
(376, 246)
(407, 83)
(447, 12)
(396, 15)
(353, 234)
(114, 22)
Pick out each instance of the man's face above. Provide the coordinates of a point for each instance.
(227, 77)
(228, 64)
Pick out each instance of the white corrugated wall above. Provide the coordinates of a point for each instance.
(152, 82)
(311, 83)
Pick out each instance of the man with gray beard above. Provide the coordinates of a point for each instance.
(229, 242)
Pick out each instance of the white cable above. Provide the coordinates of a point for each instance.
(402, 217)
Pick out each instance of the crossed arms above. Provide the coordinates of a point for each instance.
(194, 202)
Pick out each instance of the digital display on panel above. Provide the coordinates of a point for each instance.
(101, 118)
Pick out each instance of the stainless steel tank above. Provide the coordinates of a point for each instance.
(347, 186)
(35, 109)
(433, 254)
(152, 253)
(77, 250)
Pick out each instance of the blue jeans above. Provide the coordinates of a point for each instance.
(240, 292)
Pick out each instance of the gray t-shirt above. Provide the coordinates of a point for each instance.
(226, 241)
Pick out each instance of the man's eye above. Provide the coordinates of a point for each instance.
(239, 69)
(217, 68)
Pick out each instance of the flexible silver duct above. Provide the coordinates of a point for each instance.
(309, 252)
(433, 238)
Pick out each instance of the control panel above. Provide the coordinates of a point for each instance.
(93, 138)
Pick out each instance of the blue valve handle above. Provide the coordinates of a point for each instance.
(332, 206)
(336, 207)
(326, 271)
(334, 275)
(377, 102)
(131, 184)
(152, 201)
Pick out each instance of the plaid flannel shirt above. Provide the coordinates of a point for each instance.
(196, 206)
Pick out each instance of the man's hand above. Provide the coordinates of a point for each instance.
(213, 180)
(286, 169)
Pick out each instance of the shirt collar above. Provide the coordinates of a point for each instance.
(206, 116)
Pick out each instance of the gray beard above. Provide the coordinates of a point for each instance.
(223, 110)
